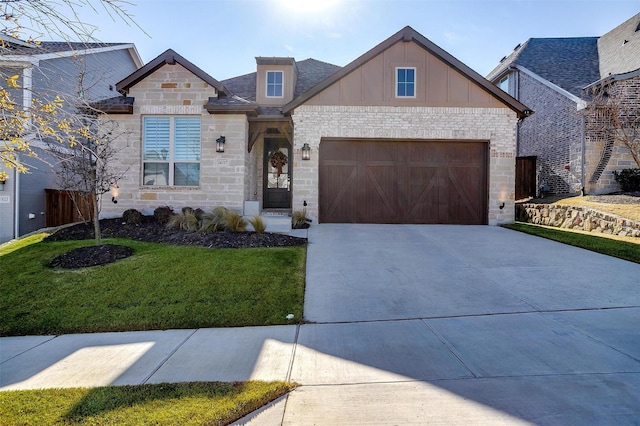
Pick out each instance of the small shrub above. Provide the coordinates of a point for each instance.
(233, 222)
(258, 224)
(132, 217)
(299, 219)
(185, 220)
(212, 222)
(162, 214)
(629, 179)
(199, 213)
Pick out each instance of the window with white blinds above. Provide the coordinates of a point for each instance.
(171, 151)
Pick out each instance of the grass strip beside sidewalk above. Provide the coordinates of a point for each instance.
(199, 403)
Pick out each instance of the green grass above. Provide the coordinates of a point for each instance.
(160, 287)
(162, 404)
(608, 246)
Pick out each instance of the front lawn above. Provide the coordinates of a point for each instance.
(211, 403)
(608, 246)
(161, 286)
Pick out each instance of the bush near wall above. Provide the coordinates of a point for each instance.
(629, 179)
(575, 217)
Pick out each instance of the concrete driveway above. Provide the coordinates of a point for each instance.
(406, 325)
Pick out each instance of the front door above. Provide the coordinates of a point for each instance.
(277, 174)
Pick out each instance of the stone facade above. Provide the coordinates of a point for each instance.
(579, 218)
(224, 178)
(553, 134)
(496, 125)
(603, 154)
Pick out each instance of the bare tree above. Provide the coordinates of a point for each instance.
(613, 116)
(85, 168)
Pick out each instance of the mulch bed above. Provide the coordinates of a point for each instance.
(151, 231)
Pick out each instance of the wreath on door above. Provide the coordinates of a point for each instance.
(278, 160)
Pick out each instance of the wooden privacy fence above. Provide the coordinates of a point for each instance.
(64, 207)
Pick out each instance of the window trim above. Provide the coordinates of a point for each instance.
(170, 161)
(266, 84)
(415, 82)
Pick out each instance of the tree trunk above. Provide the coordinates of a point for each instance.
(95, 213)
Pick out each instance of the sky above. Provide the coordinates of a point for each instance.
(223, 37)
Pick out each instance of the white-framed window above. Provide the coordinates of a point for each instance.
(504, 84)
(405, 82)
(171, 150)
(275, 84)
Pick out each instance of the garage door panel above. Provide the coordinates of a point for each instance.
(403, 182)
(340, 202)
(380, 190)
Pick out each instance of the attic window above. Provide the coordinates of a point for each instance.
(405, 82)
(274, 84)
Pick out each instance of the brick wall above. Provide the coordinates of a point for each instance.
(173, 90)
(497, 125)
(552, 134)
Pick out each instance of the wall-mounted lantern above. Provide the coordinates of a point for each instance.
(306, 152)
(115, 191)
(2, 184)
(220, 144)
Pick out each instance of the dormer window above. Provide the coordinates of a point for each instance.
(274, 84)
(405, 82)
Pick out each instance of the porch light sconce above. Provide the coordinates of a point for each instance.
(502, 206)
(115, 191)
(2, 185)
(306, 152)
(220, 144)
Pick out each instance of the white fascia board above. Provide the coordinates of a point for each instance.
(69, 53)
(580, 103)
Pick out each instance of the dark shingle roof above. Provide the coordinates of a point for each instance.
(570, 63)
(50, 47)
(310, 73)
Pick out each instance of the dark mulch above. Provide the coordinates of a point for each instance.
(151, 231)
(84, 257)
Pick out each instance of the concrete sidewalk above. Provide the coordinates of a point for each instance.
(435, 328)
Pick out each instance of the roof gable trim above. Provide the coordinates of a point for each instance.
(408, 34)
(580, 103)
(169, 57)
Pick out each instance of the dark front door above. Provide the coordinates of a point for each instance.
(277, 174)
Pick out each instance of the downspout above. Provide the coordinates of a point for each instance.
(582, 161)
(27, 102)
(16, 203)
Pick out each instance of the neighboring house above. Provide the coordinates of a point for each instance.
(406, 133)
(86, 70)
(557, 152)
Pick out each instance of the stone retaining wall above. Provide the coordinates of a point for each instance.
(576, 217)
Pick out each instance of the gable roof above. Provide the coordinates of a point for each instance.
(570, 63)
(17, 50)
(169, 57)
(409, 34)
(310, 73)
(619, 49)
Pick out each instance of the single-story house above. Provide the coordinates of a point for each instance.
(406, 133)
(31, 201)
(558, 150)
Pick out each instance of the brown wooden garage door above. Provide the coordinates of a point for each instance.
(376, 181)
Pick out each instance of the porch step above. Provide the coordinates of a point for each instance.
(280, 223)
